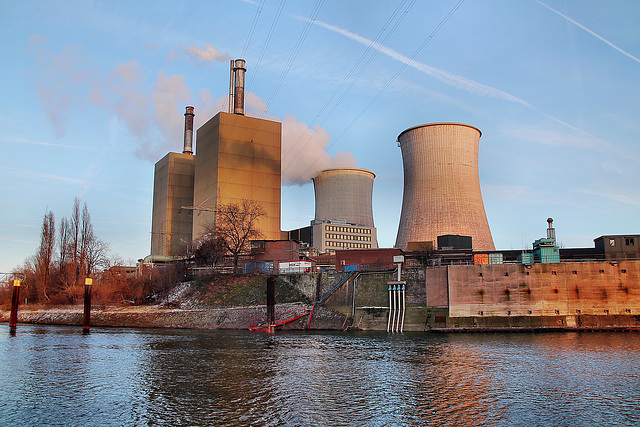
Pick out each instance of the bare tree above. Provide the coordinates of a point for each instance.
(44, 257)
(236, 225)
(209, 250)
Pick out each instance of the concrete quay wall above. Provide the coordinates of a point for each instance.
(502, 296)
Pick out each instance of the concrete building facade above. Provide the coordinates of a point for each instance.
(441, 185)
(237, 157)
(171, 226)
(344, 210)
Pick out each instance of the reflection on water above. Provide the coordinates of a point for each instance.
(57, 376)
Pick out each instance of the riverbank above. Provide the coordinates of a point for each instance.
(156, 316)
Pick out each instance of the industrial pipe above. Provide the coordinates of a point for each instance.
(403, 308)
(238, 92)
(188, 131)
(390, 311)
(231, 86)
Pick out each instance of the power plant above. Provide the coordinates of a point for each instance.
(237, 158)
(441, 186)
(344, 212)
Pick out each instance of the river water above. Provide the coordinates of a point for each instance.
(52, 375)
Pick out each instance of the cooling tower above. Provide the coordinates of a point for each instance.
(441, 185)
(344, 195)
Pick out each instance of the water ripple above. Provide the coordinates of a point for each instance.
(57, 376)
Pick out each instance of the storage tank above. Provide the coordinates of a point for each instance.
(441, 185)
(344, 194)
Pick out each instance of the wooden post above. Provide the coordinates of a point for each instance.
(86, 319)
(271, 303)
(13, 320)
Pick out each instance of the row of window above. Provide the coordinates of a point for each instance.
(628, 241)
(347, 229)
(347, 237)
(349, 245)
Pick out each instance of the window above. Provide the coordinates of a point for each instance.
(612, 242)
(629, 241)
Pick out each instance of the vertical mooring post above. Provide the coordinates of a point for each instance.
(271, 303)
(86, 318)
(15, 298)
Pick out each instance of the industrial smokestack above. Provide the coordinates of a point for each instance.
(238, 92)
(231, 86)
(188, 131)
(551, 232)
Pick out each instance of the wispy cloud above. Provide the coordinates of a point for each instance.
(624, 52)
(9, 239)
(17, 140)
(616, 195)
(446, 77)
(46, 176)
(459, 82)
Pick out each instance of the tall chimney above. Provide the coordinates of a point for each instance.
(551, 232)
(231, 86)
(238, 93)
(188, 131)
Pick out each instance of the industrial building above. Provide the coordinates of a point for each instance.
(343, 212)
(441, 185)
(237, 158)
(171, 226)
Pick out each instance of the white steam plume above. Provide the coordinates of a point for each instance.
(155, 116)
(206, 55)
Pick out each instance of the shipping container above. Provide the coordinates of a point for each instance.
(262, 267)
(352, 267)
(480, 259)
(525, 258)
(295, 267)
(496, 258)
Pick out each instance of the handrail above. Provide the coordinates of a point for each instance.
(260, 323)
(332, 290)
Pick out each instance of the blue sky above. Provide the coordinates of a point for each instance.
(92, 94)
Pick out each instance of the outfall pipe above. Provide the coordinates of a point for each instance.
(395, 310)
(403, 308)
(390, 311)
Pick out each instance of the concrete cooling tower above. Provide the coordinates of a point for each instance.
(344, 194)
(344, 213)
(441, 185)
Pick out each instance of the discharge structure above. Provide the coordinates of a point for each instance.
(344, 213)
(441, 185)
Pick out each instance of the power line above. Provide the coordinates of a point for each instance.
(253, 27)
(400, 70)
(294, 54)
(355, 67)
(266, 43)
